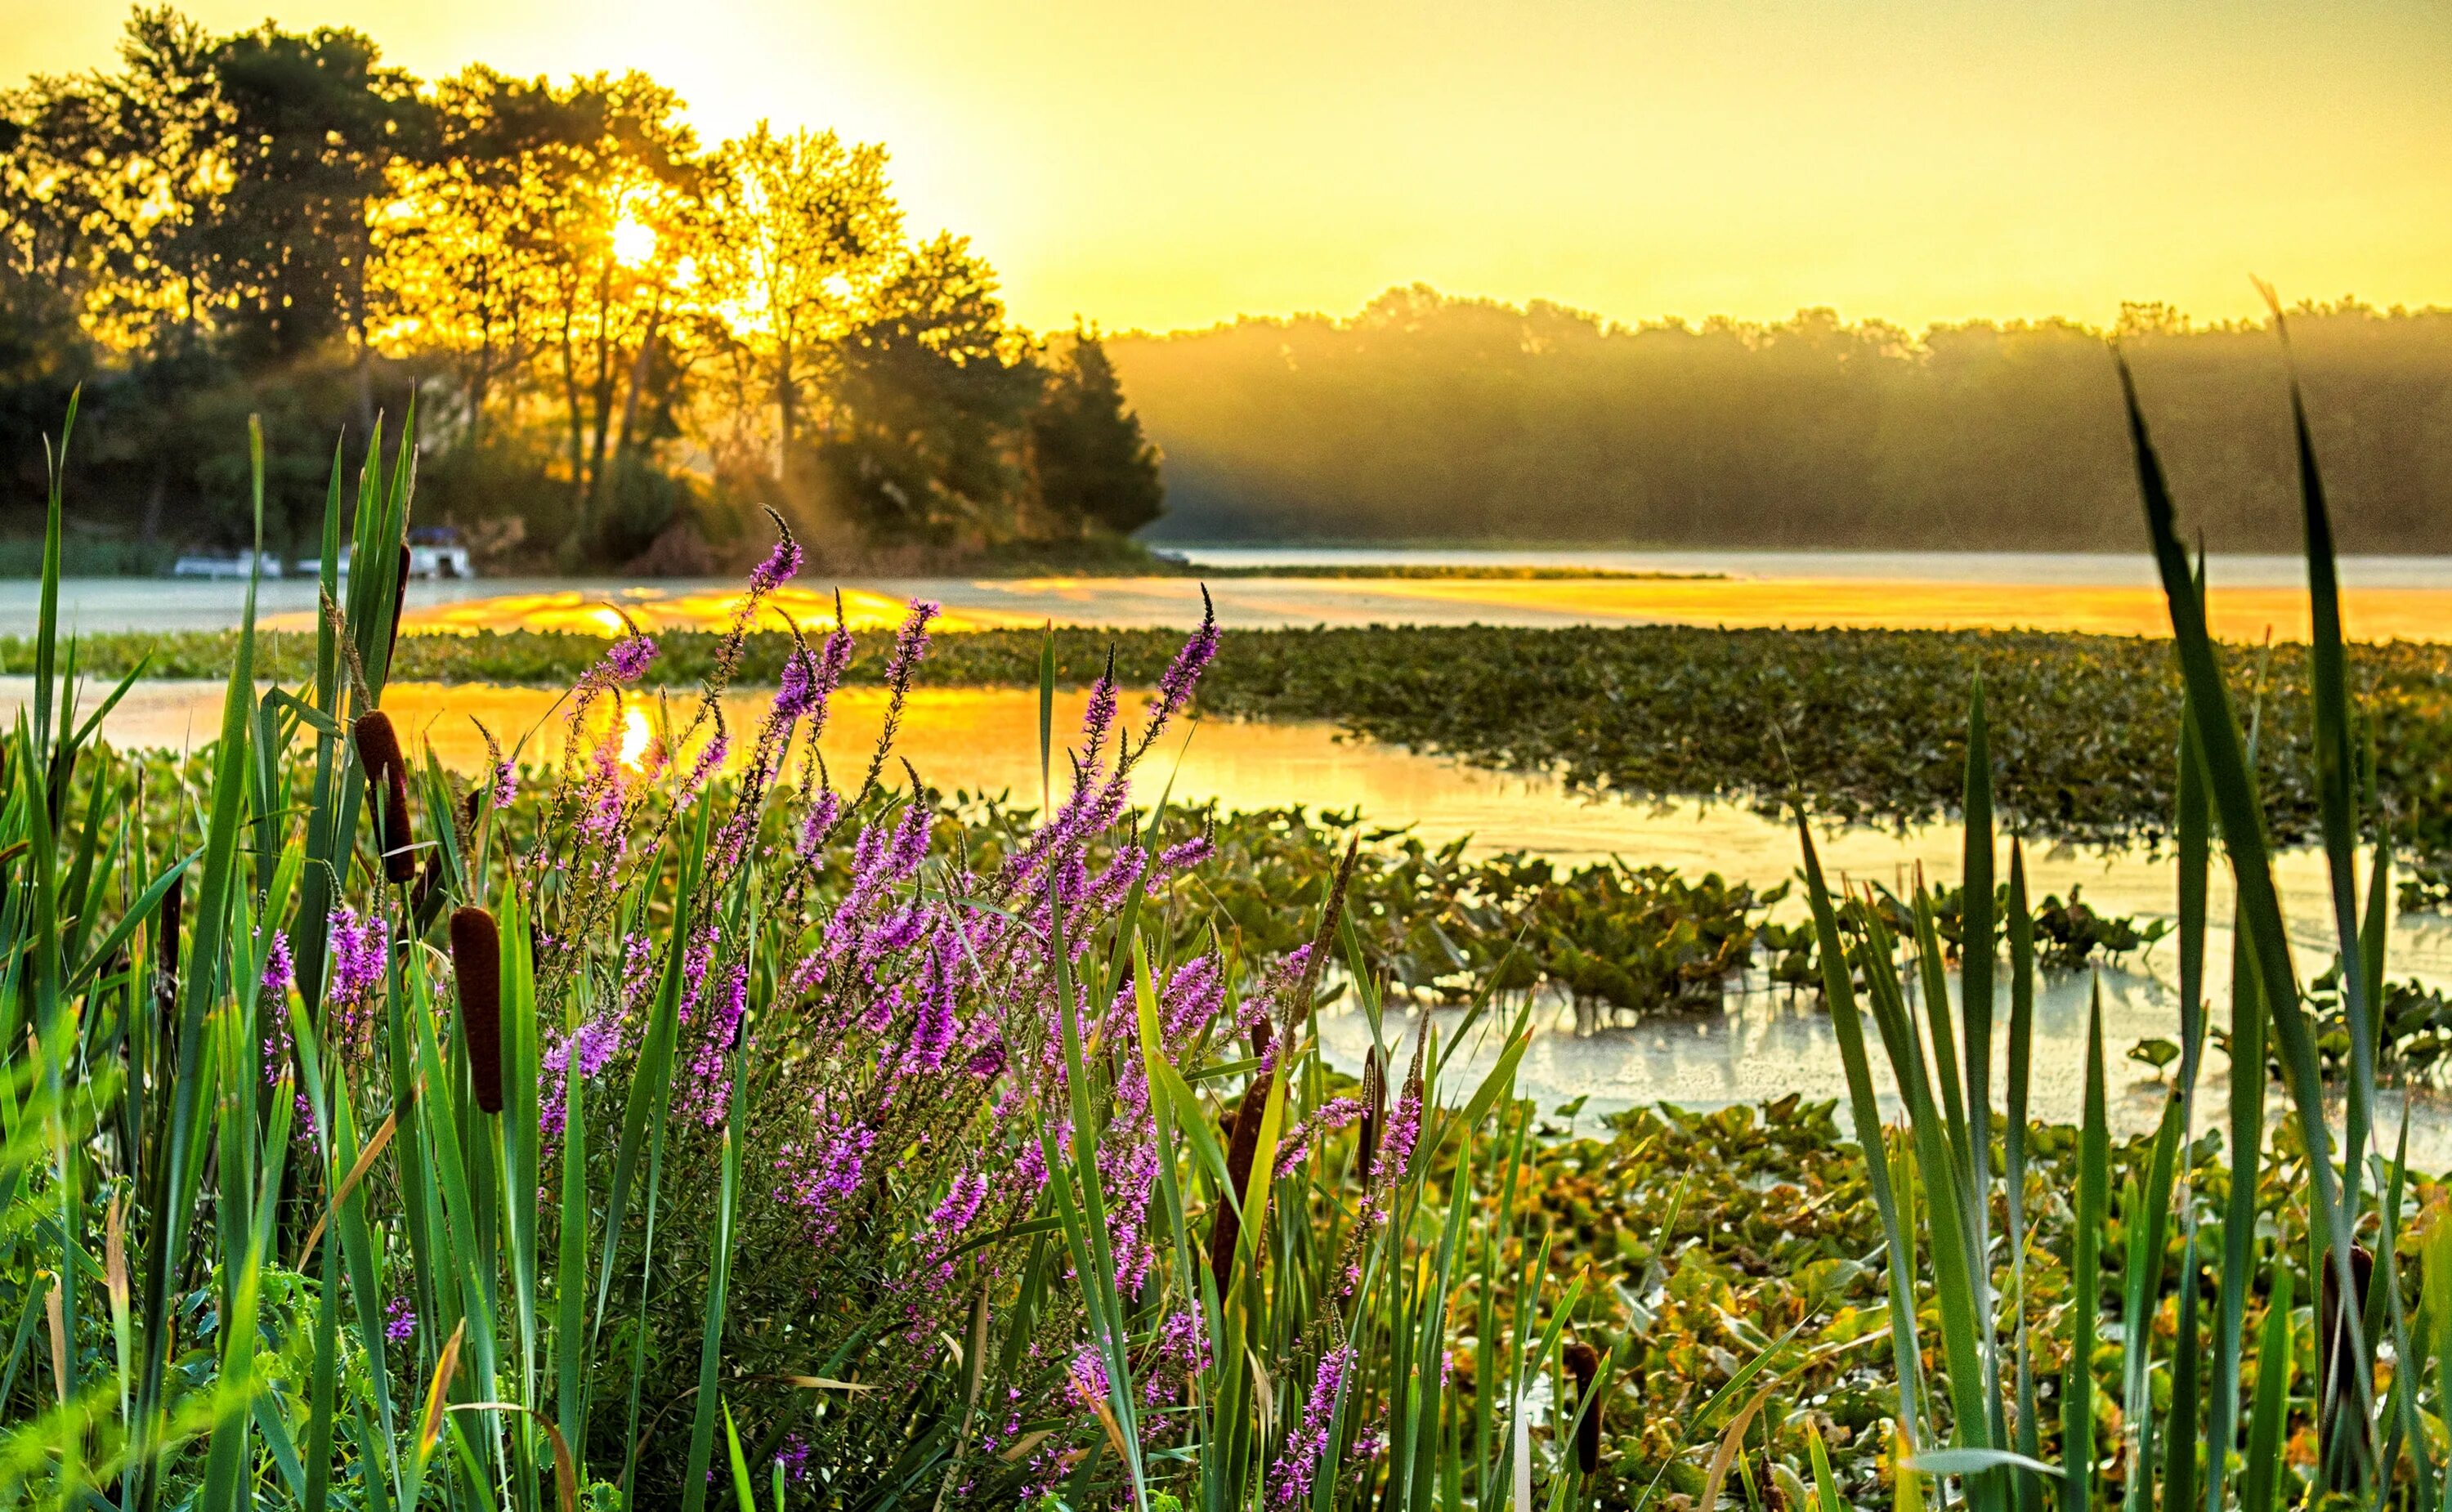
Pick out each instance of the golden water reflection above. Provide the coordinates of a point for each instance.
(2244, 613)
(1767, 1045)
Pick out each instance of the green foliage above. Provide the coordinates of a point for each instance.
(1086, 447)
(1866, 722)
(627, 340)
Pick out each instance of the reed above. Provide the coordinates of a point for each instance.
(2150, 1410)
(752, 1125)
(770, 1142)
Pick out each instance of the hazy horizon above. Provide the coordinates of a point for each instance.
(1919, 162)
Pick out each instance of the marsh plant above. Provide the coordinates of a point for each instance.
(690, 1121)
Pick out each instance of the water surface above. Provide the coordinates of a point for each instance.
(2384, 598)
(1766, 1044)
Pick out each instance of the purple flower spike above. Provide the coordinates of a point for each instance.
(1175, 688)
(911, 642)
(628, 659)
(277, 970)
(778, 568)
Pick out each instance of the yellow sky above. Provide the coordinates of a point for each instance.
(1162, 165)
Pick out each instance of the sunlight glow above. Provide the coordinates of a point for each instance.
(634, 242)
(634, 738)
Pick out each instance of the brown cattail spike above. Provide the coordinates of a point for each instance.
(2332, 1383)
(1584, 1364)
(165, 942)
(1242, 1146)
(399, 600)
(388, 788)
(1374, 1113)
(477, 965)
(429, 876)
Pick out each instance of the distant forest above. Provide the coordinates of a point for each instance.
(620, 341)
(1432, 419)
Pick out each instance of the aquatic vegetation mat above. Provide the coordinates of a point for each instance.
(1867, 725)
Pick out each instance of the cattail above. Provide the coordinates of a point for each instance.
(477, 965)
(166, 943)
(1374, 1112)
(2333, 1364)
(1584, 1364)
(1242, 1147)
(399, 599)
(1261, 1034)
(387, 786)
(429, 876)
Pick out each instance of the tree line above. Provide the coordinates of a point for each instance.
(1432, 419)
(619, 340)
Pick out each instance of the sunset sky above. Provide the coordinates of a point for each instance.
(1162, 166)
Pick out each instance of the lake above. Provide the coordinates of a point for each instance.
(2384, 598)
(1766, 1044)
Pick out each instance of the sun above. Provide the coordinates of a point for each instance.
(634, 242)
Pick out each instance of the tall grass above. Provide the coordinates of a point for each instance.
(379, 1137)
(2150, 1397)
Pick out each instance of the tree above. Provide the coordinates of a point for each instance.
(932, 393)
(1088, 456)
(310, 127)
(803, 235)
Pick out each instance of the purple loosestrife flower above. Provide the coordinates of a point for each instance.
(694, 964)
(625, 664)
(603, 820)
(1089, 1376)
(1097, 720)
(710, 761)
(399, 1319)
(819, 823)
(778, 569)
(357, 952)
(708, 1090)
(1194, 995)
(1335, 1113)
(931, 1033)
(793, 1458)
(796, 689)
(833, 659)
(599, 1041)
(278, 971)
(952, 1218)
(638, 966)
(1185, 855)
(1320, 1411)
(1396, 1146)
(1175, 686)
(822, 1179)
(911, 642)
(506, 784)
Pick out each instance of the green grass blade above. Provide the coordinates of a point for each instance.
(2261, 1473)
(2086, 1268)
(2239, 813)
(1847, 1026)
